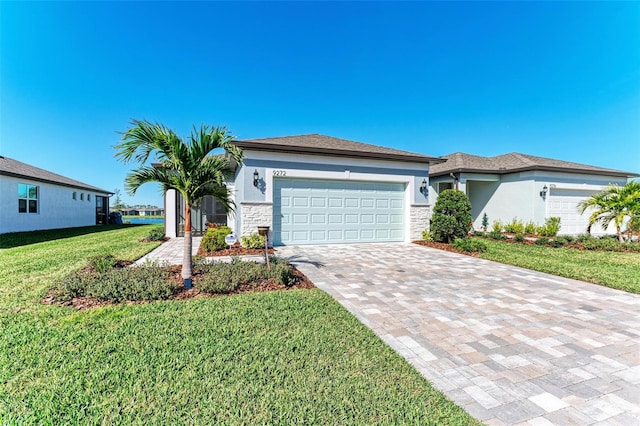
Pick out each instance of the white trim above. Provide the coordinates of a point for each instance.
(575, 186)
(327, 159)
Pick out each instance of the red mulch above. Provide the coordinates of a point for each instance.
(82, 303)
(234, 250)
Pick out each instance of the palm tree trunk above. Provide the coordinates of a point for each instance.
(186, 256)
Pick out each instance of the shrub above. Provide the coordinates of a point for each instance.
(610, 244)
(101, 263)
(542, 241)
(496, 226)
(213, 239)
(550, 228)
(478, 234)
(519, 238)
(253, 241)
(559, 242)
(496, 235)
(118, 285)
(224, 277)
(156, 234)
(281, 272)
(515, 227)
(427, 235)
(485, 222)
(530, 228)
(569, 238)
(470, 245)
(451, 216)
(584, 237)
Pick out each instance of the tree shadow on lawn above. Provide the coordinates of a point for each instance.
(17, 239)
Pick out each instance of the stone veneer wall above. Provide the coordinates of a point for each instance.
(254, 215)
(419, 218)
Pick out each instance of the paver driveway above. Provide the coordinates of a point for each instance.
(507, 344)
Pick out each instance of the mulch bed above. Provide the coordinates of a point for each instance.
(443, 246)
(82, 303)
(234, 250)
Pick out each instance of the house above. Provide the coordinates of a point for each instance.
(151, 212)
(525, 187)
(315, 189)
(34, 199)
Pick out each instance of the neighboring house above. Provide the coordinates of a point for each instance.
(33, 199)
(315, 189)
(151, 212)
(525, 187)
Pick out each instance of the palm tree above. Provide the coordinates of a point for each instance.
(614, 204)
(186, 166)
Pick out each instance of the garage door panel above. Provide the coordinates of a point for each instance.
(564, 204)
(316, 211)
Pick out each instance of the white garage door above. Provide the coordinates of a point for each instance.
(330, 211)
(563, 203)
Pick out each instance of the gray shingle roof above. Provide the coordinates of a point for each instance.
(15, 168)
(515, 162)
(327, 145)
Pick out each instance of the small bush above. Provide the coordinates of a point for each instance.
(609, 244)
(530, 228)
(101, 263)
(519, 238)
(253, 241)
(542, 241)
(559, 242)
(118, 285)
(478, 234)
(470, 245)
(496, 235)
(515, 227)
(584, 237)
(156, 234)
(485, 222)
(451, 216)
(213, 239)
(496, 226)
(550, 228)
(282, 272)
(569, 238)
(224, 277)
(427, 235)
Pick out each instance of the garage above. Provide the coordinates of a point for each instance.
(563, 203)
(316, 211)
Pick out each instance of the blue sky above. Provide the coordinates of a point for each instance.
(554, 79)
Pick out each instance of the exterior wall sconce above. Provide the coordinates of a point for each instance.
(423, 188)
(544, 191)
(256, 178)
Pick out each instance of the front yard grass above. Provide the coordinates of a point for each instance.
(285, 357)
(619, 270)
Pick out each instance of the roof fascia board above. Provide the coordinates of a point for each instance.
(337, 153)
(67, 185)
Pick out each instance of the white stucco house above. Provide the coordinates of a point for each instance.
(35, 199)
(525, 187)
(315, 189)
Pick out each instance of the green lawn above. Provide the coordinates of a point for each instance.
(288, 357)
(619, 270)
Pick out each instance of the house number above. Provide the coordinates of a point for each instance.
(279, 173)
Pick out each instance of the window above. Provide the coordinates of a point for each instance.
(81, 196)
(27, 198)
(74, 195)
(88, 197)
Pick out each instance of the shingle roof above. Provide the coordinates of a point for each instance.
(515, 162)
(15, 168)
(327, 145)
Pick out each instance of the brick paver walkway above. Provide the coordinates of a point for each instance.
(509, 345)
